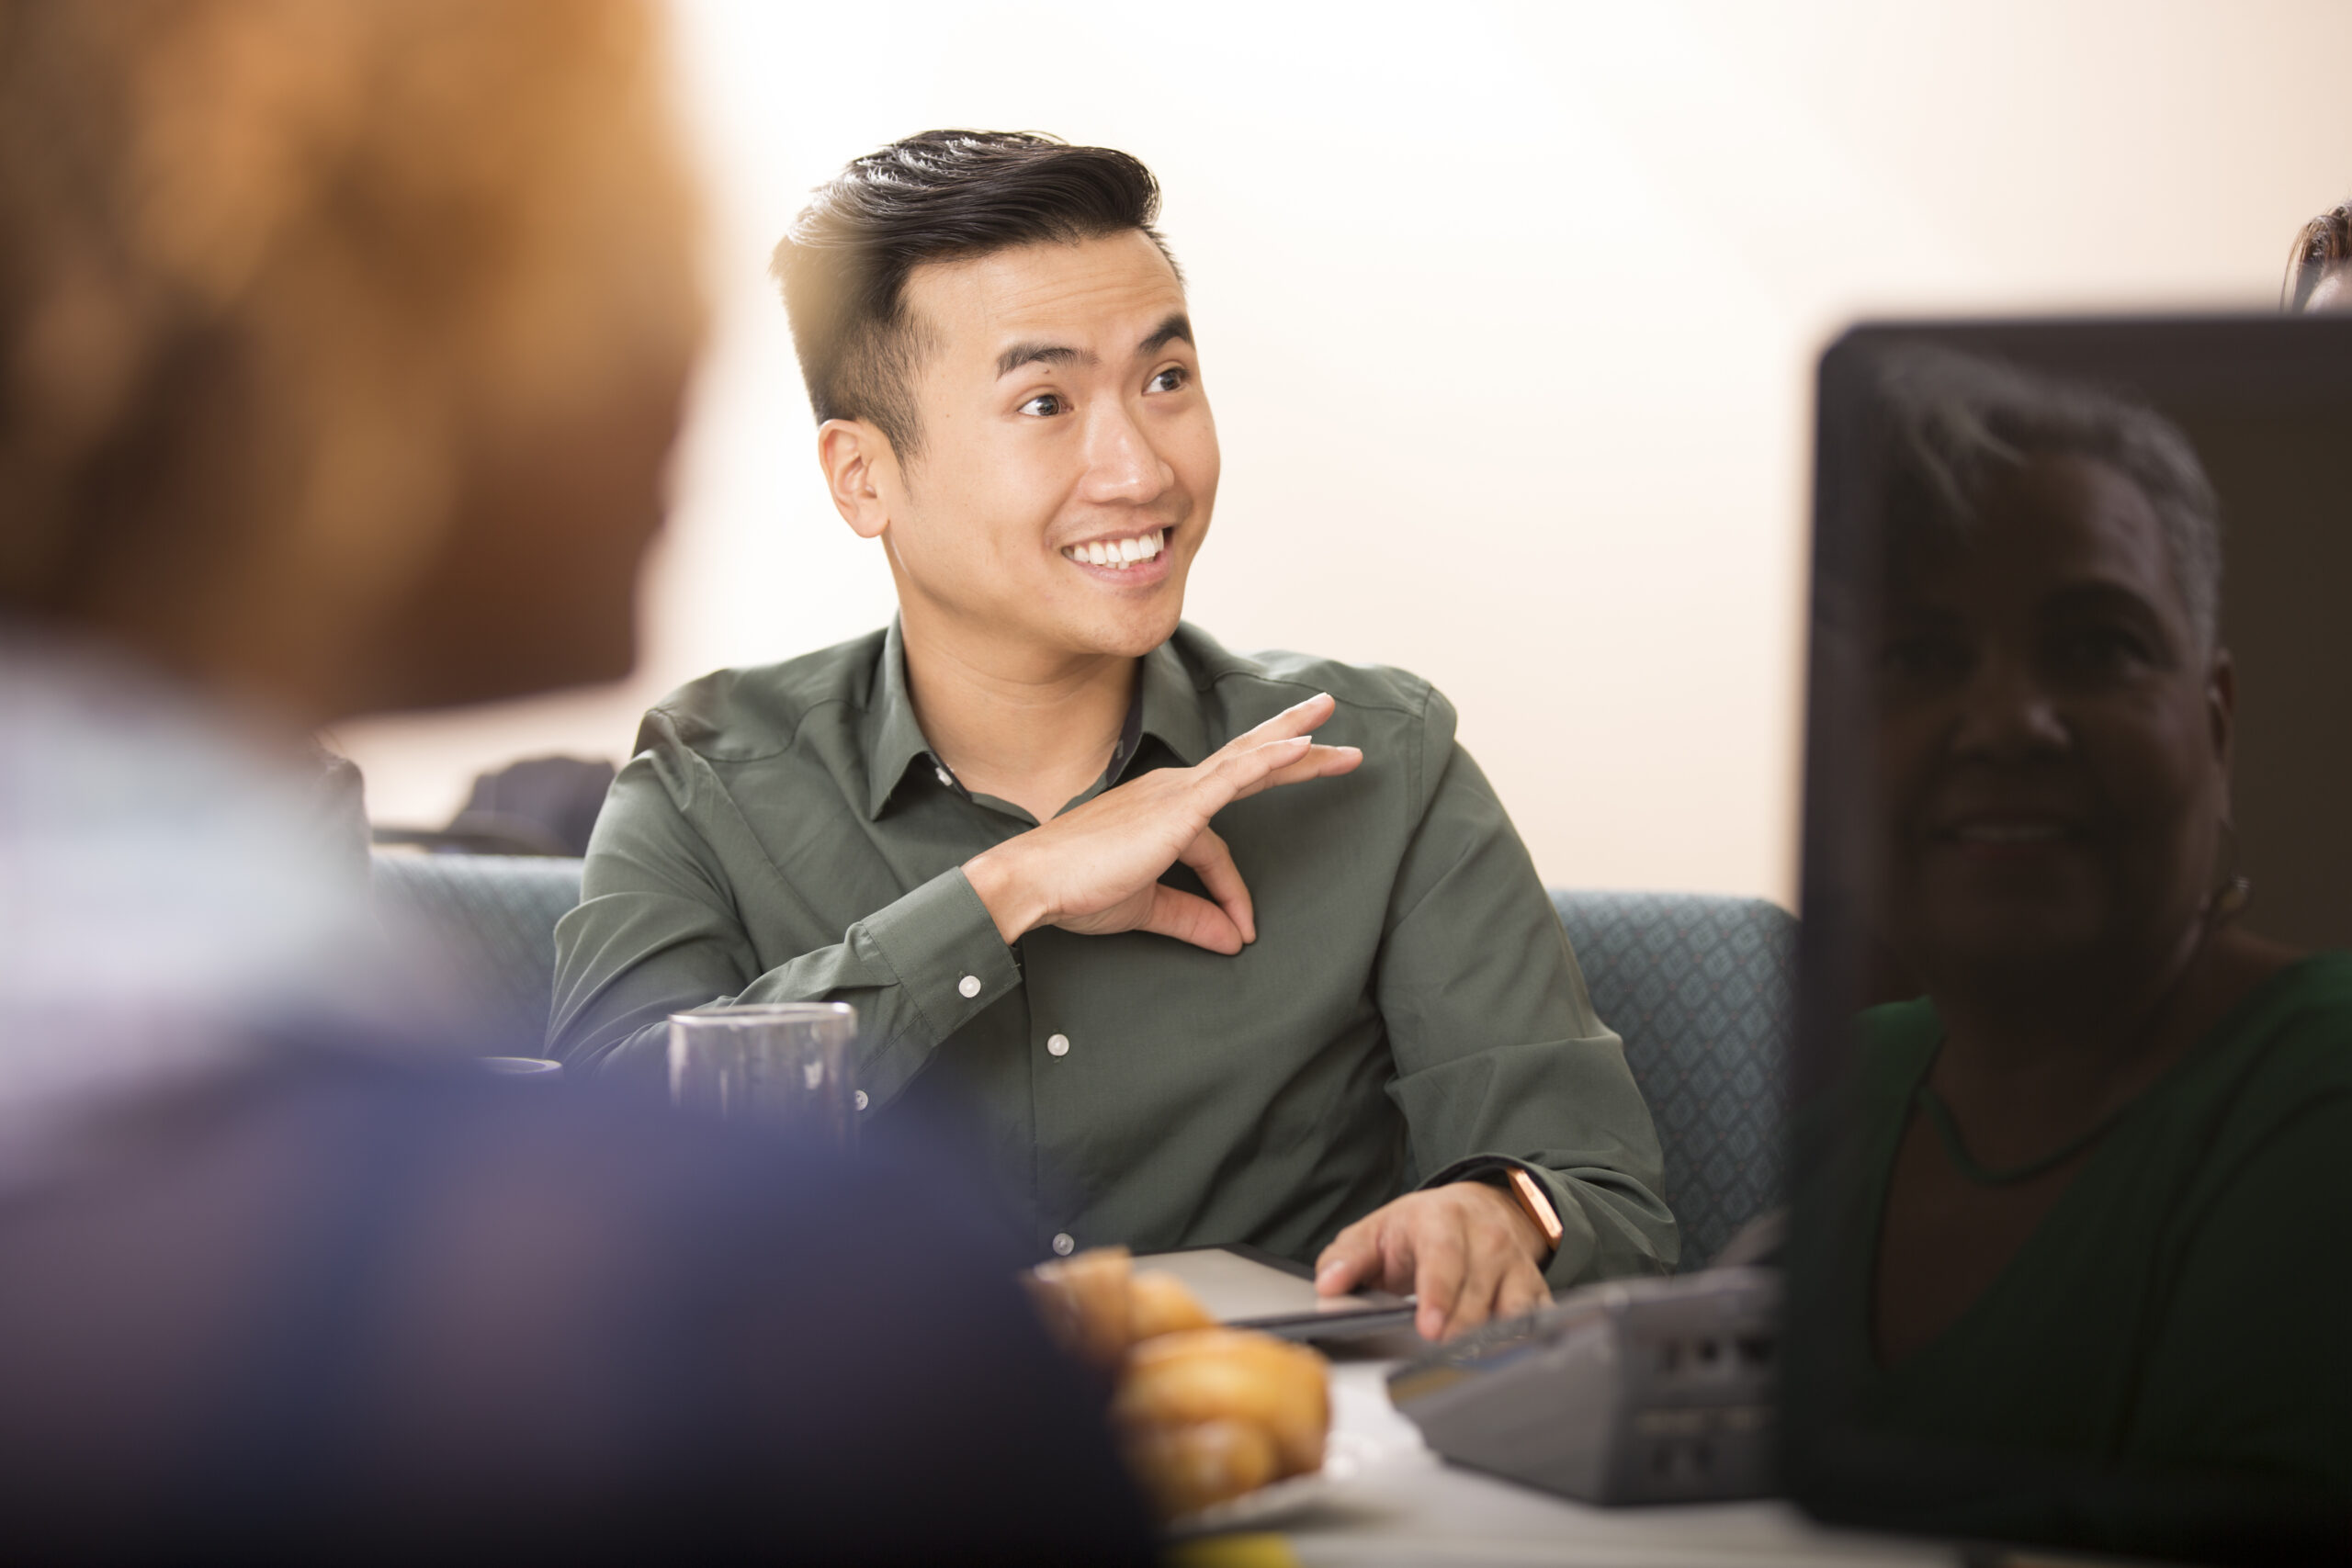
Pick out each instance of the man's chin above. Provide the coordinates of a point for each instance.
(1132, 634)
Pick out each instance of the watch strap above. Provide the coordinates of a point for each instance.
(1531, 1197)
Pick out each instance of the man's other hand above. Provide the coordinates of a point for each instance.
(1466, 1249)
(1096, 870)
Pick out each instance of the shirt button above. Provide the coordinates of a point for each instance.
(969, 986)
(860, 1099)
(1063, 1246)
(1057, 1044)
(945, 777)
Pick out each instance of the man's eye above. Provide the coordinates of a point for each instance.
(1171, 379)
(1045, 405)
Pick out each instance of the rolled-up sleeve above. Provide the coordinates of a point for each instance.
(1498, 1052)
(658, 930)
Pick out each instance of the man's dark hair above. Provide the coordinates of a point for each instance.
(941, 196)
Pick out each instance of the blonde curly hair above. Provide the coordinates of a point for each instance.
(270, 268)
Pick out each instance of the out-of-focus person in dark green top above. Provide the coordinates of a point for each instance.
(2104, 1162)
(1331, 1024)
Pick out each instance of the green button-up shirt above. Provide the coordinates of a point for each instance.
(786, 834)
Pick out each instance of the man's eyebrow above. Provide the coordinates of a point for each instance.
(1021, 354)
(1178, 325)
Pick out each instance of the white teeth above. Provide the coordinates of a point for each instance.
(1119, 554)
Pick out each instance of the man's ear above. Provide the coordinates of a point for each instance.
(861, 471)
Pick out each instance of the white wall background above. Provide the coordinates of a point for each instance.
(1508, 315)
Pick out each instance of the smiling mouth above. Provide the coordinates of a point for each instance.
(1118, 555)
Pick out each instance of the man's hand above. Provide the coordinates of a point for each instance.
(1096, 870)
(1466, 1249)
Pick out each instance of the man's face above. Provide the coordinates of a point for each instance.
(1063, 429)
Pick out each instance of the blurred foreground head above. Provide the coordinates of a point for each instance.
(341, 345)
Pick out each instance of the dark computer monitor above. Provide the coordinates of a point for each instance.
(2072, 1148)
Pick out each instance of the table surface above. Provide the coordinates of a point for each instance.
(1407, 1506)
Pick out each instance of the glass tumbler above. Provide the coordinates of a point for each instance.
(783, 1064)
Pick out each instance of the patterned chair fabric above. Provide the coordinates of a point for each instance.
(1700, 988)
(1703, 991)
(485, 926)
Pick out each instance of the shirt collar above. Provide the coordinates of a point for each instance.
(893, 740)
(1170, 708)
(1167, 707)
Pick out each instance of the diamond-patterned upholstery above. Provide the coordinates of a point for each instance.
(485, 924)
(1703, 990)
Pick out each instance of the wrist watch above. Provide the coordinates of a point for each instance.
(1524, 1189)
(1531, 1197)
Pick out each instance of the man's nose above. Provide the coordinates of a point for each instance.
(2007, 713)
(1123, 467)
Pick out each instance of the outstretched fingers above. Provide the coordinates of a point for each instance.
(1319, 762)
(1233, 774)
(1299, 718)
(1280, 752)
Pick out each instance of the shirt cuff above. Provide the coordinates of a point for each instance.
(943, 945)
(1578, 1242)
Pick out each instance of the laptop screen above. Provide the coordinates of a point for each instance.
(2072, 1239)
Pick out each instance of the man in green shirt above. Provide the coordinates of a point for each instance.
(1332, 1024)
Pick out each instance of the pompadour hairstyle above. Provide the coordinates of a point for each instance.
(1953, 422)
(940, 196)
(2321, 246)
